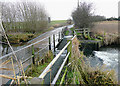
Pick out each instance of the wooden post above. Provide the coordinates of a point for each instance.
(49, 44)
(33, 55)
(54, 41)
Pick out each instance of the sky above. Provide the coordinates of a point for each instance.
(62, 9)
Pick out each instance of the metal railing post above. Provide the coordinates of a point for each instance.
(73, 33)
(62, 33)
(49, 43)
(59, 37)
(54, 41)
(33, 55)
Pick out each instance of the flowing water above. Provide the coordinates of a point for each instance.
(108, 56)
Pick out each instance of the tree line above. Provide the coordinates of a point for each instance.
(113, 18)
(83, 16)
(24, 17)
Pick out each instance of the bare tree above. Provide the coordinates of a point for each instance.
(82, 15)
(24, 16)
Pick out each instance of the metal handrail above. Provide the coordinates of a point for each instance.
(43, 74)
(59, 71)
(42, 49)
(53, 61)
(22, 48)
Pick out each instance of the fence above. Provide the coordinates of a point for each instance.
(82, 31)
(52, 72)
(28, 55)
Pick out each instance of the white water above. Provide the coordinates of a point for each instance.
(109, 59)
(107, 56)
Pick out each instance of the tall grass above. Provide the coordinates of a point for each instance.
(81, 73)
(108, 30)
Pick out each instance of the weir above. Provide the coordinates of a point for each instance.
(87, 44)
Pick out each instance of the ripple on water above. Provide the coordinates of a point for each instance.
(107, 56)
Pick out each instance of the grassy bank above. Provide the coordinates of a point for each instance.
(22, 37)
(18, 38)
(58, 23)
(36, 70)
(106, 26)
(79, 72)
(108, 30)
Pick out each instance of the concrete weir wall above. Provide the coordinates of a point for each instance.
(87, 46)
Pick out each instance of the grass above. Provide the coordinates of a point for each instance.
(106, 26)
(108, 30)
(58, 23)
(89, 75)
(67, 33)
(22, 37)
(80, 72)
(18, 38)
(35, 71)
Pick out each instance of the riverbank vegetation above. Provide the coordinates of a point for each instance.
(101, 27)
(21, 37)
(37, 69)
(80, 72)
(24, 21)
(108, 30)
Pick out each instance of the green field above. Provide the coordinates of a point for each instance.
(58, 22)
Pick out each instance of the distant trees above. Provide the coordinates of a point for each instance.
(112, 18)
(83, 15)
(69, 21)
(24, 17)
(99, 18)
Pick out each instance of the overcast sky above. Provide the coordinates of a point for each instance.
(62, 9)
